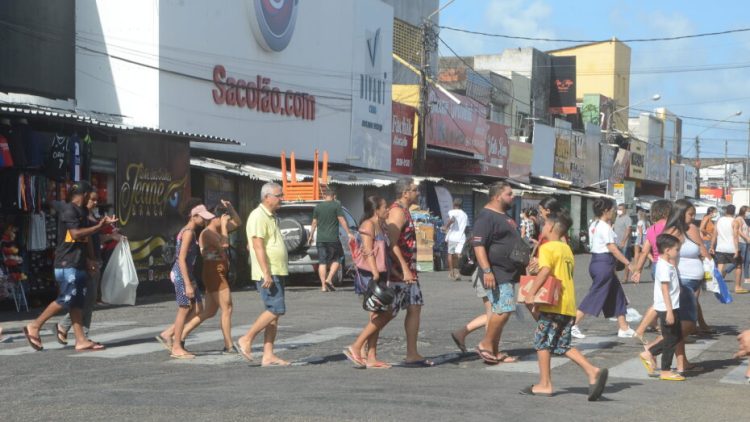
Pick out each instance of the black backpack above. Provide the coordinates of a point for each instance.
(467, 262)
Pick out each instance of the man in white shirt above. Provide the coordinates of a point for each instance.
(456, 236)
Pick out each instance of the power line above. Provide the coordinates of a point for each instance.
(632, 40)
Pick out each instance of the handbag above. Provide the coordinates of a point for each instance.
(361, 258)
(548, 293)
(520, 255)
(467, 262)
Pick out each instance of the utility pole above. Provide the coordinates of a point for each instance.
(726, 172)
(697, 168)
(428, 45)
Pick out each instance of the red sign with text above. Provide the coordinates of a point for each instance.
(402, 138)
(460, 126)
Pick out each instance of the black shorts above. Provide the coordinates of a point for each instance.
(726, 258)
(329, 252)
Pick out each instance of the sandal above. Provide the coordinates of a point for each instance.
(186, 356)
(353, 358)
(486, 356)
(378, 365)
(167, 344)
(62, 336)
(93, 347)
(34, 341)
(503, 357)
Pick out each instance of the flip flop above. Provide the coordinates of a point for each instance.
(186, 356)
(529, 391)
(245, 355)
(330, 287)
(379, 365)
(356, 360)
(461, 346)
(93, 347)
(506, 358)
(422, 363)
(166, 344)
(279, 363)
(486, 356)
(62, 336)
(741, 291)
(34, 342)
(673, 377)
(692, 369)
(596, 389)
(648, 365)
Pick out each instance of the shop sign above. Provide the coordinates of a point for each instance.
(563, 135)
(690, 175)
(456, 126)
(563, 85)
(402, 136)
(153, 183)
(519, 160)
(637, 160)
(620, 167)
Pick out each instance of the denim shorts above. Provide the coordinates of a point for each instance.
(553, 333)
(502, 298)
(688, 302)
(71, 283)
(329, 252)
(273, 297)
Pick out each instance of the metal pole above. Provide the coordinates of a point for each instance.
(697, 168)
(747, 161)
(726, 173)
(420, 164)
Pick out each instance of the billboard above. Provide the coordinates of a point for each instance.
(153, 182)
(658, 162)
(544, 150)
(520, 159)
(402, 135)
(677, 182)
(690, 176)
(460, 126)
(275, 75)
(606, 163)
(638, 151)
(563, 150)
(563, 85)
(495, 154)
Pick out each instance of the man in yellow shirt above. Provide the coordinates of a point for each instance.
(269, 265)
(555, 321)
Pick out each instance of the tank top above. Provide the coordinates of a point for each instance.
(192, 255)
(725, 235)
(690, 265)
(743, 229)
(652, 233)
(407, 243)
(710, 227)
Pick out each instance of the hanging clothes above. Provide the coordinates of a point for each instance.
(38, 232)
(56, 167)
(74, 147)
(6, 159)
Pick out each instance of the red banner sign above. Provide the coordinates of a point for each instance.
(402, 138)
(459, 126)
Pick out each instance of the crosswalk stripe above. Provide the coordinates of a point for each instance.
(736, 375)
(315, 337)
(150, 345)
(528, 363)
(633, 368)
(52, 344)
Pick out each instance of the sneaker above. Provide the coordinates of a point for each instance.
(629, 333)
(576, 332)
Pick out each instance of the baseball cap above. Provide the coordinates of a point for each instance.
(202, 211)
(80, 188)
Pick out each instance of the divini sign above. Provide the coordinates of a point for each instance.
(153, 182)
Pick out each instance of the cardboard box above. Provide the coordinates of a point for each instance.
(548, 294)
(425, 266)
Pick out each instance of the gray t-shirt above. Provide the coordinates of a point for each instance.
(622, 223)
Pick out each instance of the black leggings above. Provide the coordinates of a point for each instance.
(671, 335)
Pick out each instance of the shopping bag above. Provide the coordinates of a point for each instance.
(723, 295)
(120, 279)
(708, 274)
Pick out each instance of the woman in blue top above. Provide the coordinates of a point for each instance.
(186, 290)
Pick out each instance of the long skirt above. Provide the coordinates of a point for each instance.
(606, 294)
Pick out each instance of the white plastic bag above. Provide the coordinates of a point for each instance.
(120, 279)
(712, 285)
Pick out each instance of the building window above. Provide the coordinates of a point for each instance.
(407, 41)
(522, 124)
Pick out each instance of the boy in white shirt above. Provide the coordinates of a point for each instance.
(666, 304)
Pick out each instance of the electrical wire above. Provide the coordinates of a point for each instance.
(631, 40)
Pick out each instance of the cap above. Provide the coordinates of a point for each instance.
(80, 188)
(202, 211)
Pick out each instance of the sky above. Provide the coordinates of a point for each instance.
(656, 67)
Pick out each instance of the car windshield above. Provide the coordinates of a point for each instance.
(302, 215)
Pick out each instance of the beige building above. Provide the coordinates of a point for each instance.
(603, 68)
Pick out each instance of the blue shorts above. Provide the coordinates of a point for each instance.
(273, 297)
(502, 298)
(553, 333)
(688, 302)
(71, 283)
(329, 252)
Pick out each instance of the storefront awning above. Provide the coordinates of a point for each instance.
(253, 171)
(78, 117)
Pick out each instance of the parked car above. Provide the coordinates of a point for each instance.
(295, 219)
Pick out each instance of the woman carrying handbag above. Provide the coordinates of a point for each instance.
(372, 266)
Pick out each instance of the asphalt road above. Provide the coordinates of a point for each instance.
(136, 379)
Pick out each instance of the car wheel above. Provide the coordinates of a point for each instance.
(294, 234)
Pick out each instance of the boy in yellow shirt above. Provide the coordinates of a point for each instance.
(555, 321)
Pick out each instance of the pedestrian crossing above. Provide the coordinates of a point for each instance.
(125, 339)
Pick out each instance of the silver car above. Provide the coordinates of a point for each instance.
(295, 219)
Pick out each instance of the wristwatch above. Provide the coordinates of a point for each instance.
(487, 270)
